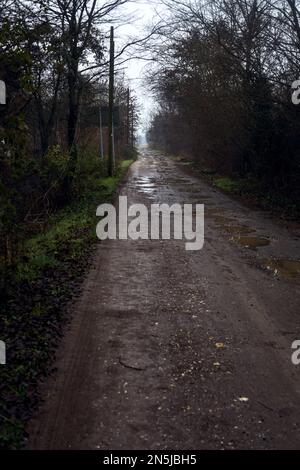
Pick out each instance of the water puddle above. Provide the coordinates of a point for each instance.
(226, 224)
(285, 268)
(145, 184)
(223, 220)
(251, 242)
(237, 229)
(175, 181)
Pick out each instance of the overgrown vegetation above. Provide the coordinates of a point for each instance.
(38, 287)
(54, 62)
(224, 83)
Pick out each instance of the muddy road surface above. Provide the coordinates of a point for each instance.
(176, 349)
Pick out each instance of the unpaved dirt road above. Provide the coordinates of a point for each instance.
(176, 349)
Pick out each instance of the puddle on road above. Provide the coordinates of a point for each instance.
(251, 242)
(239, 232)
(175, 181)
(225, 223)
(223, 220)
(287, 269)
(237, 229)
(146, 185)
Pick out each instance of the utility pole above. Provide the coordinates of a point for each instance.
(132, 125)
(101, 132)
(128, 116)
(111, 163)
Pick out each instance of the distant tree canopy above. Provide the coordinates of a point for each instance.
(226, 68)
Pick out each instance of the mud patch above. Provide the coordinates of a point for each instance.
(251, 242)
(223, 220)
(224, 223)
(285, 268)
(205, 202)
(238, 229)
(212, 211)
(190, 189)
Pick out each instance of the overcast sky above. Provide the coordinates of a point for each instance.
(144, 14)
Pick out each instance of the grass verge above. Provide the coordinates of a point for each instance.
(256, 193)
(248, 189)
(33, 311)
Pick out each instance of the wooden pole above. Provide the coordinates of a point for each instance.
(128, 116)
(111, 105)
(101, 132)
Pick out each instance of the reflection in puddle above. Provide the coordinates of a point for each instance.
(251, 242)
(145, 184)
(288, 269)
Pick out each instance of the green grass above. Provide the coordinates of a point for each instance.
(38, 289)
(126, 164)
(236, 186)
(254, 190)
(74, 225)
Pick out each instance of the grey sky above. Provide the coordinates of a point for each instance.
(144, 13)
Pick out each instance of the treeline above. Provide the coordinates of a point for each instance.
(54, 62)
(224, 83)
